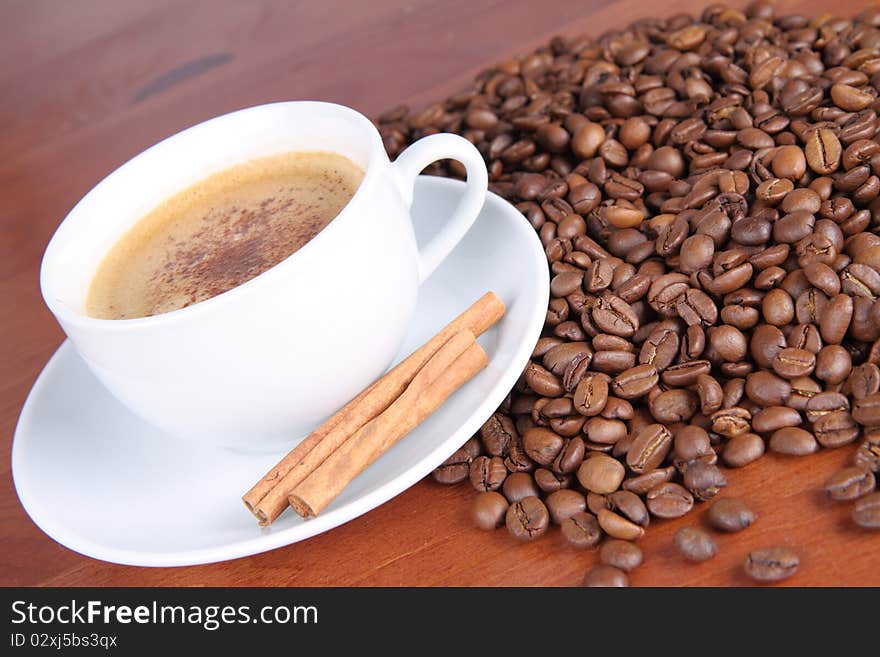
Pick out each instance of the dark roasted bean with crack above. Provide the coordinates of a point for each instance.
(527, 519)
(849, 483)
(771, 564)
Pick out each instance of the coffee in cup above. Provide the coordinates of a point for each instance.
(221, 232)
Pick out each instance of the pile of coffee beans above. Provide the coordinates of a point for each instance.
(706, 191)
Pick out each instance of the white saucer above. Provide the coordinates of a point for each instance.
(103, 483)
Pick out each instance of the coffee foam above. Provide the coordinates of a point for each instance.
(220, 233)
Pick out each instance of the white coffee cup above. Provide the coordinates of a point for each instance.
(265, 362)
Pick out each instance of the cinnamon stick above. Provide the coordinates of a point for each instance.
(268, 497)
(419, 400)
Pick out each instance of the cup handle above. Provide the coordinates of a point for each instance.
(410, 163)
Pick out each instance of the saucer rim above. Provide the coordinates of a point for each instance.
(272, 539)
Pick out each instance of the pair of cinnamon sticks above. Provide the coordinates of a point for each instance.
(311, 475)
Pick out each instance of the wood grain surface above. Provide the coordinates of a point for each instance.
(88, 84)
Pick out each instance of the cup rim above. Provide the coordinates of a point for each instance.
(68, 315)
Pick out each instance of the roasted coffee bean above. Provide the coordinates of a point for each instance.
(601, 474)
(591, 394)
(793, 441)
(835, 318)
(544, 345)
(527, 519)
(695, 544)
(730, 422)
(649, 448)
(604, 431)
(823, 277)
(675, 405)
(617, 409)
(823, 403)
(487, 473)
(823, 151)
(549, 481)
(613, 362)
(810, 305)
(766, 342)
(730, 514)
(613, 315)
(866, 411)
(623, 555)
(587, 139)
(833, 364)
(472, 447)
(565, 283)
(642, 483)
(664, 293)
(518, 486)
(794, 227)
(553, 409)
(690, 443)
(850, 98)
(769, 419)
(728, 342)
(835, 429)
(497, 433)
(771, 564)
(767, 389)
(660, 348)
(489, 510)
(619, 527)
(582, 530)
(806, 337)
(742, 450)
(704, 480)
(777, 308)
(630, 506)
(517, 460)
(558, 358)
(685, 374)
(732, 393)
(454, 469)
(669, 500)
(605, 576)
(849, 483)
(599, 276)
(542, 445)
(606, 342)
(792, 362)
(543, 381)
(635, 382)
(557, 312)
(595, 501)
(564, 503)
(570, 457)
(866, 511)
(864, 380)
(710, 393)
(868, 454)
(633, 288)
(770, 278)
(696, 253)
(696, 308)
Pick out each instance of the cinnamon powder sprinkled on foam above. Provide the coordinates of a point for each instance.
(220, 233)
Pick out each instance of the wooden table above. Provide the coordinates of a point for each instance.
(87, 85)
